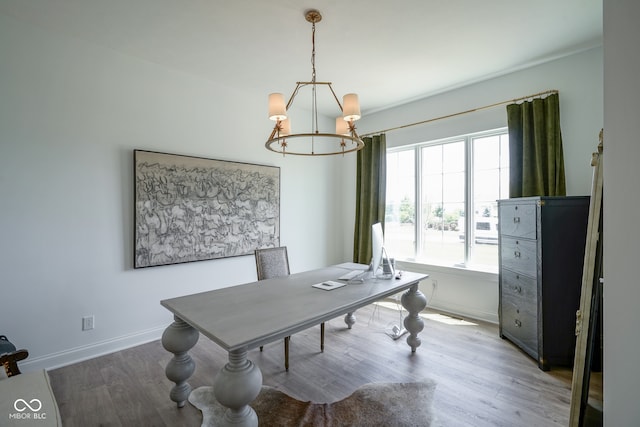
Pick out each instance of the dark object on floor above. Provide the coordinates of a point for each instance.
(9, 356)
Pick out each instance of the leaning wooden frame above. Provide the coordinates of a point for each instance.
(586, 316)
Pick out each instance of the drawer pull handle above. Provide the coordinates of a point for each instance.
(516, 219)
(516, 254)
(518, 323)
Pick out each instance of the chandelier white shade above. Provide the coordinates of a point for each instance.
(351, 107)
(277, 109)
(342, 127)
(314, 142)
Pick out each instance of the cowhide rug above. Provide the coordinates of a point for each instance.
(381, 404)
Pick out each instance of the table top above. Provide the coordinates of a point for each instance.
(257, 313)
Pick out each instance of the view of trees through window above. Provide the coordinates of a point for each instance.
(438, 192)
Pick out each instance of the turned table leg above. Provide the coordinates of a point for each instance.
(237, 384)
(350, 319)
(178, 339)
(414, 301)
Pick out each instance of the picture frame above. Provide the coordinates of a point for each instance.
(194, 209)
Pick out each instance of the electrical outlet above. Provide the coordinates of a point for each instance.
(88, 323)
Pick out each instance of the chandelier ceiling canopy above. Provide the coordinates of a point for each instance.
(314, 142)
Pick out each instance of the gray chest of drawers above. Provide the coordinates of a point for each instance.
(542, 242)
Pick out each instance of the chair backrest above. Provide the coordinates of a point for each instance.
(272, 262)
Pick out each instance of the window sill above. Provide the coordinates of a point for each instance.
(472, 272)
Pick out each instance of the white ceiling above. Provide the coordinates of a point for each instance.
(389, 52)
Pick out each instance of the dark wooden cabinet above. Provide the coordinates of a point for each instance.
(542, 242)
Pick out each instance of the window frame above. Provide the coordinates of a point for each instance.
(468, 196)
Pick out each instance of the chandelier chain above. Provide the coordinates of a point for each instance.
(313, 52)
(314, 99)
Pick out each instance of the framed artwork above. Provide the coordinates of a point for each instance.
(194, 209)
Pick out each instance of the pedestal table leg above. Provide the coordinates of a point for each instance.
(414, 301)
(236, 385)
(179, 338)
(350, 319)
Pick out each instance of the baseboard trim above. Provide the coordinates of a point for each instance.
(52, 361)
(465, 312)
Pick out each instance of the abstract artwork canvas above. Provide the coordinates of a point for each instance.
(193, 209)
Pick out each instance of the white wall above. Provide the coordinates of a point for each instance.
(578, 78)
(71, 114)
(621, 212)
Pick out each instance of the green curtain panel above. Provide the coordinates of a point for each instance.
(371, 188)
(535, 148)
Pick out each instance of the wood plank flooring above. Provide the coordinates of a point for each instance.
(482, 379)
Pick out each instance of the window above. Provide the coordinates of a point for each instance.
(441, 191)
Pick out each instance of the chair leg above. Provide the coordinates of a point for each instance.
(286, 354)
(322, 337)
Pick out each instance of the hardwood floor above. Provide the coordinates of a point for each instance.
(482, 379)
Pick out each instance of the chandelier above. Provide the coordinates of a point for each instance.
(314, 143)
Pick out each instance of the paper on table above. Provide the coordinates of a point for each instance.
(328, 285)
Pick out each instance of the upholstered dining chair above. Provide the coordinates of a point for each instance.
(271, 263)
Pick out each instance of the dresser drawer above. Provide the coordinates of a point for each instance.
(518, 255)
(516, 286)
(518, 219)
(519, 325)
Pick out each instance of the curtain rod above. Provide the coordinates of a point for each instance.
(486, 107)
